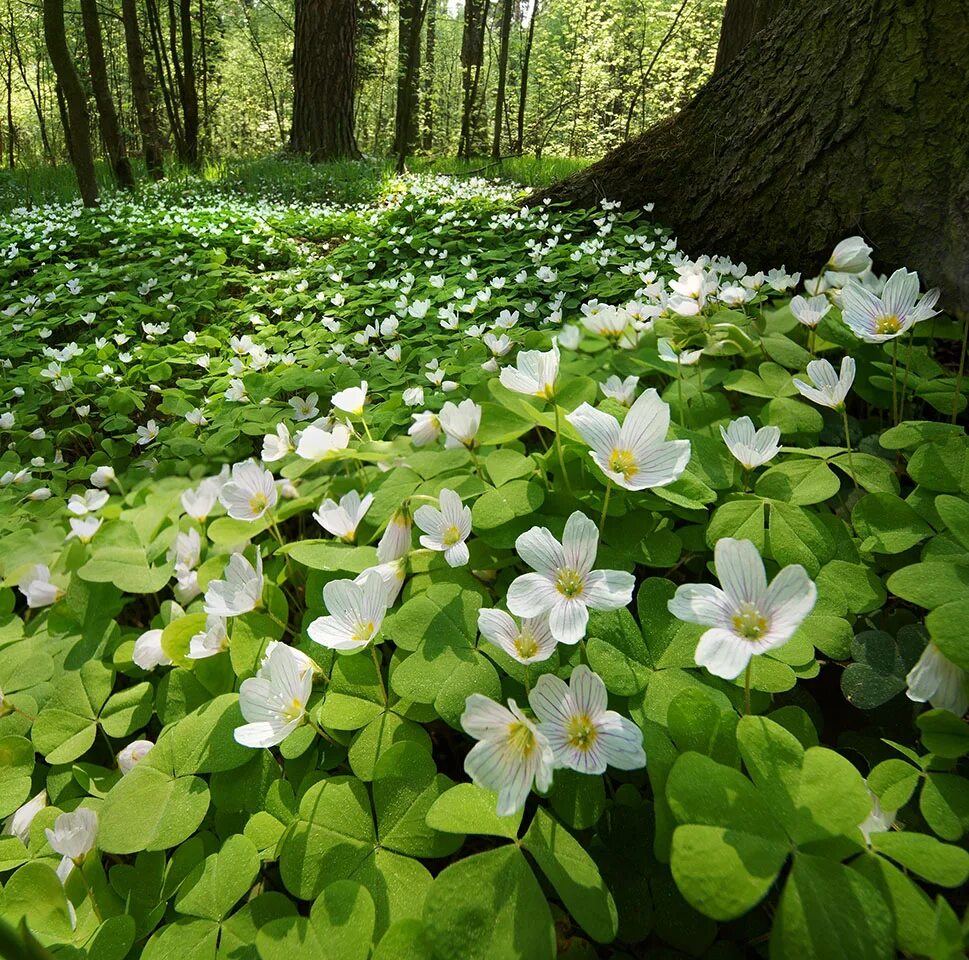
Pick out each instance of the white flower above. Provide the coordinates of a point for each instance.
(608, 321)
(7, 420)
(274, 702)
(102, 477)
(352, 399)
(413, 396)
(342, 519)
(564, 585)
(214, 639)
(747, 616)
(277, 445)
(356, 611)
(147, 433)
(636, 455)
(396, 539)
(850, 256)
(316, 443)
(241, 590)
(570, 336)
(446, 529)
(18, 823)
(878, 821)
(186, 551)
(937, 680)
(829, 388)
(498, 346)
(148, 652)
(622, 391)
(37, 587)
(135, 751)
(198, 503)
(73, 837)
(811, 310)
(686, 358)
(534, 374)
(305, 409)
(196, 418)
(425, 429)
(752, 448)
(250, 492)
(531, 642)
(511, 753)
(84, 530)
(877, 319)
(460, 423)
(584, 734)
(236, 392)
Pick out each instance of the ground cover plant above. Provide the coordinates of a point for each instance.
(436, 575)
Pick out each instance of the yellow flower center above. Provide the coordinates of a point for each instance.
(569, 584)
(293, 711)
(623, 461)
(363, 632)
(889, 324)
(258, 502)
(521, 739)
(581, 732)
(526, 646)
(749, 623)
(451, 536)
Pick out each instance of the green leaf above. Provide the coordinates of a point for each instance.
(799, 482)
(947, 629)
(128, 710)
(67, 725)
(445, 612)
(827, 910)
(495, 507)
(16, 767)
(797, 536)
(35, 895)
(887, 524)
(220, 881)
(944, 733)
(955, 512)
(937, 862)
(930, 584)
(574, 875)
(466, 808)
(489, 906)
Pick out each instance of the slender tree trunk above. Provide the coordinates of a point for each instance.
(165, 77)
(204, 63)
(188, 88)
(324, 75)
(141, 90)
(427, 141)
(472, 57)
(410, 21)
(35, 94)
(741, 20)
(523, 89)
(78, 122)
(504, 39)
(107, 115)
(843, 118)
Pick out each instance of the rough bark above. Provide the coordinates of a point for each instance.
(504, 38)
(845, 118)
(188, 90)
(410, 21)
(324, 72)
(141, 90)
(741, 20)
(75, 101)
(107, 115)
(472, 57)
(427, 86)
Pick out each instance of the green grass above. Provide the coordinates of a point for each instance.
(282, 178)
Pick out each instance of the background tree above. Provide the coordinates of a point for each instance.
(772, 163)
(141, 90)
(324, 58)
(410, 22)
(75, 114)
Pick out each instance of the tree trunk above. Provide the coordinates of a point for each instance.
(427, 137)
(472, 57)
(188, 92)
(79, 124)
(844, 118)
(741, 20)
(523, 89)
(324, 73)
(410, 21)
(504, 38)
(141, 90)
(107, 115)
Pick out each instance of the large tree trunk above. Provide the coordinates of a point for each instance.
(141, 90)
(741, 20)
(842, 118)
(427, 85)
(504, 36)
(409, 23)
(472, 57)
(107, 115)
(188, 91)
(324, 71)
(78, 123)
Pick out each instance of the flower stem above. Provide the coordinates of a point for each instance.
(908, 364)
(476, 462)
(558, 446)
(366, 429)
(895, 382)
(962, 367)
(380, 676)
(90, 894)
(605, 505)
(528, 685)
(750, 664)
(851, 462)
(679, 393)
